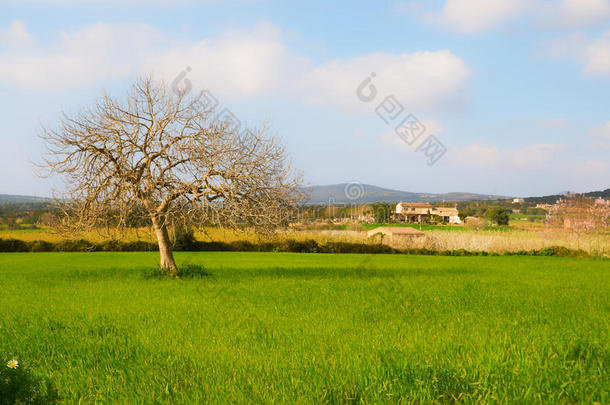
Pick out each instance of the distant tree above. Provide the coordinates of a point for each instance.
(498, 215)
(12, 223)
(466, 212)
(381, 212)
(533, 211)
(162, 154)
(47, 219)
(435, 219)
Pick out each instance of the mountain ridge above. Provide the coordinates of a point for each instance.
(21, 199)
(347, 193)
(359, 193)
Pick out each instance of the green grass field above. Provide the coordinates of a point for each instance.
(427, 227)
(310, 328)
(423, 227)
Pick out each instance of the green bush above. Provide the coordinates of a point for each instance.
(463, 252)
(290, 245)
(41, 246)
(306, 246)
(184, 238)
(499, 215)
(561, 252)
(213, 247)
(13, 245)
(110, 246)
(139, 246)
(346, 247)
(242, 246)
(76, 245)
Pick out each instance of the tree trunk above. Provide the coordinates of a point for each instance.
(165, 250)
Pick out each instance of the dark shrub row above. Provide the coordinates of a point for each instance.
(550, 251)
(75, 245)
(290, 245)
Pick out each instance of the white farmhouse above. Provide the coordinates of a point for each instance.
(417, 211)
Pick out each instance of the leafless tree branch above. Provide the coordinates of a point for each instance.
(164, 155)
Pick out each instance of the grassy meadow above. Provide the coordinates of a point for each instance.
(310, 328)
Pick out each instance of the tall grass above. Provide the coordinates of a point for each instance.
(491, 240)
(595, 244)
(497, 240)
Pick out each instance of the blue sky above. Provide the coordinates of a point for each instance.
(515, 91)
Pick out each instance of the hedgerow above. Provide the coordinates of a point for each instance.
(290, 245)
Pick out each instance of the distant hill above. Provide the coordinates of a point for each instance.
(361, 194)
(21, 199)
(367, 193)
(603, 194)
(551, 199)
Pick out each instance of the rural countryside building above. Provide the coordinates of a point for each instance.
(415, 212)
(394, 234)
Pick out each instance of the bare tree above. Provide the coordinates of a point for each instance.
(161, 153)
(580, 215)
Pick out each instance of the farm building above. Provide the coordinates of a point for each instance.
(415, 212)
(395, 233)
(449, 215)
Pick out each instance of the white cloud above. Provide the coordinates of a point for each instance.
(562, 166)
(419, 81)
(478, 155)
(535, 156)
(595, 172)
(593, 54)
(233, 63)
(236, 63)
(603, 132)
(82, 56)
(594, 167)
(598, 56)
(569, 47)
(16, 35)
(390, 139)
(433, 127)
(581, 13)
(472, 16)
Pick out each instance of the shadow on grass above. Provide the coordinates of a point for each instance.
(320, 273)
(184, 272)
(199, 272)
